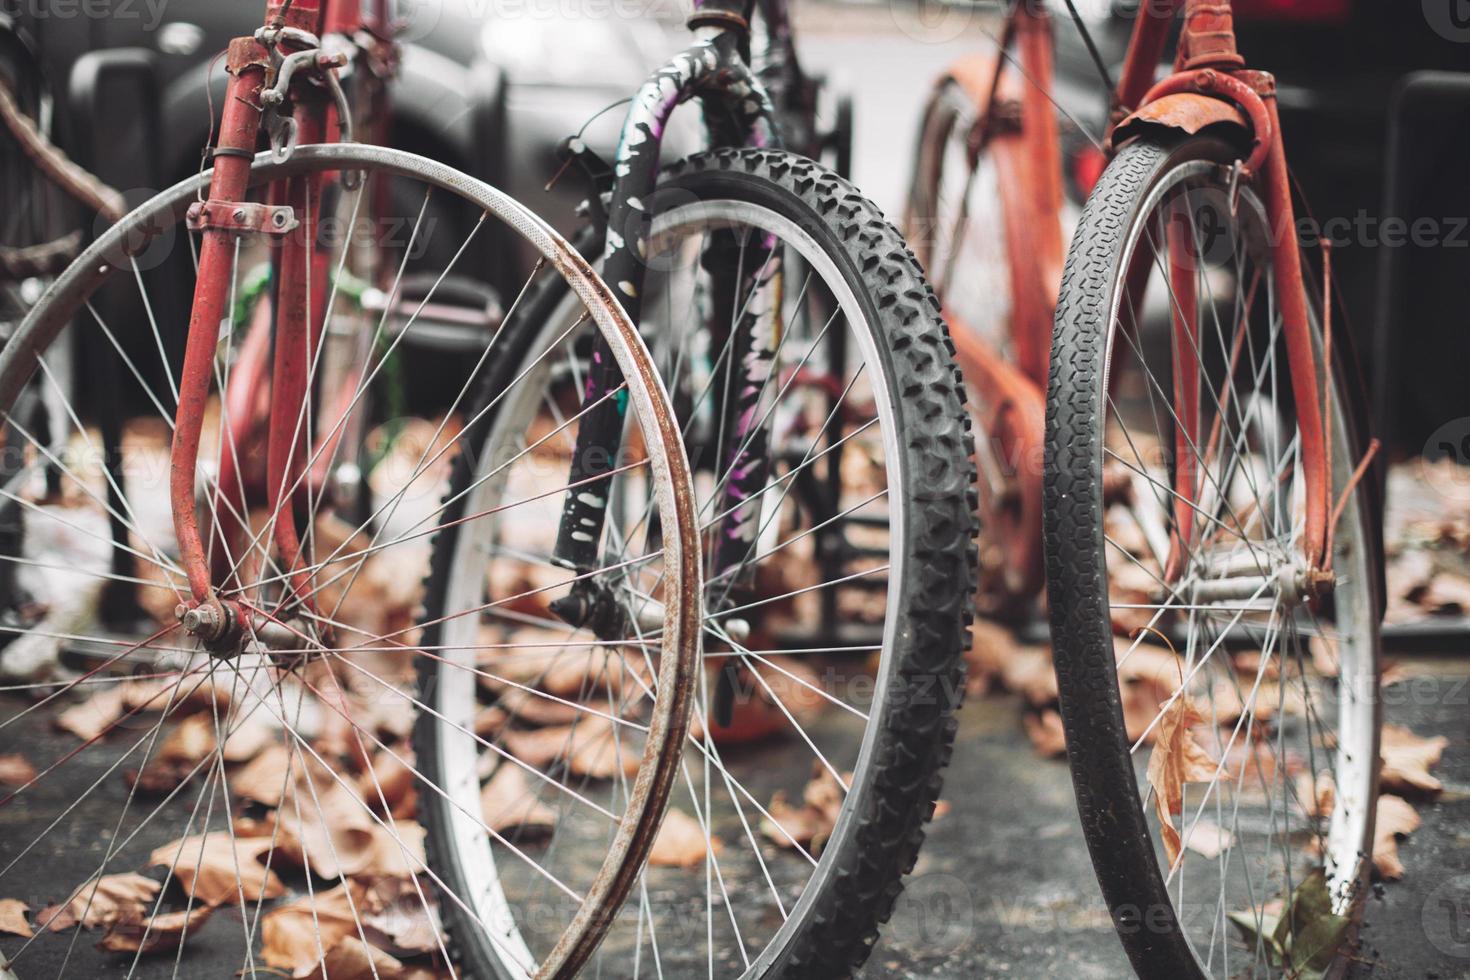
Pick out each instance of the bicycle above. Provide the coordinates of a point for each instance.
(822, 414)
(1212, 548)
(288, 624)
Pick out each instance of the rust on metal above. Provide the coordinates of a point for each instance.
(1187, 111)
(1207, 39)
(239, 127)
(242, 217)
(1232, 90)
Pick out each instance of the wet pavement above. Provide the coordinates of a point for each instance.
(1004, 887)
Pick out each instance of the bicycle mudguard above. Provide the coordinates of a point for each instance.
(1187, 112)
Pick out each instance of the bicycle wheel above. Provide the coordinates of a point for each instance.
(277, 773)
(971, 214)
(1222, 726)
(834, 638)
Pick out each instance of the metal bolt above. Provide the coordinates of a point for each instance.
(240, 215)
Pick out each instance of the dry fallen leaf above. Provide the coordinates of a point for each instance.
(1396, 818)
(588, 748)
(1176, 759)
(681, 843)
(325, 825)
(15, 770)
(991, 645)
(216, 869)
(90, 718)
(100, 902)
(350, 959)
(1045, 730)
(264, 778)
(1316, 797)
(189, 743)
(809, 825)
(295, 936)
(158, 934)
(13, 917)
(1208, 838)
(510, 802)
(400, 915)
(1029, 672)
(391, 774)
(756, 714)
(1406, 761)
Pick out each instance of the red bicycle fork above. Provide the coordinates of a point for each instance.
(1209, 71)
(222, 220)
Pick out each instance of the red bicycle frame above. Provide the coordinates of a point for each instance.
(291, 217)
(1210, 84)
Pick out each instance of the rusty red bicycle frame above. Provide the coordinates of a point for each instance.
(1209, 84)
(300, 284)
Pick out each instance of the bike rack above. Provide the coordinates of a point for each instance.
(1426, 124)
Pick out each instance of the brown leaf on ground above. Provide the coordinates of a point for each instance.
(158, 934)
(991, 646)
(491, 721)
(764, 696)
(1316, 797)
(216, 869)
(392, 774)
(811, 824)
(588, 748)
(251, 733)
(580, 671)
(1324, 655)
(90, 718)
(1028, 671)
(400, 915)
(1406, 761)
(115, 897)
(1208, 838)
(538, 710)
(1176, 759)
(1396, 818)
(509, 801)
(350, 959)
(1446, 595)
(15, 770)
(188, 744)
(264, 777)
(325, 824)
(681, 843)
(1045, 730)
(397, 850)
(295, 936)
(524, 587)
(13, 917)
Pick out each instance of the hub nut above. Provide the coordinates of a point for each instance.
(208, 620)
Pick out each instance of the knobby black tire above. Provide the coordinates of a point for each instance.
(878, 844)
(1098, 747)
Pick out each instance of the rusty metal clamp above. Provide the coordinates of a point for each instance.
(242, 218)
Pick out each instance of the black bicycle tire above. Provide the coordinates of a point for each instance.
(887, 829)
(1098, 747)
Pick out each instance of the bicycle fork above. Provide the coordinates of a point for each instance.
(738, 113)
(221, 220)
